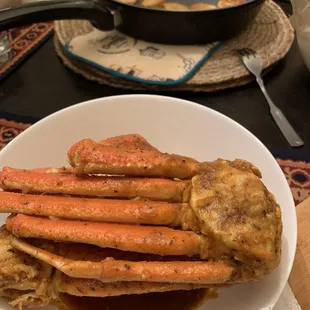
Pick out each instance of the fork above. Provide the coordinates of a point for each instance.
(253, 62)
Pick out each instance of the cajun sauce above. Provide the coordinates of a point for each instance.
(180, 300)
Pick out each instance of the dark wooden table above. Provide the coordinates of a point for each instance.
(42, 85)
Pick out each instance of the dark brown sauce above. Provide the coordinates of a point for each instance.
(179, 300)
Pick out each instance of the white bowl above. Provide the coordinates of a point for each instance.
(172, 125)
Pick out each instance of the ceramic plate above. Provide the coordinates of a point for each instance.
(172, 125)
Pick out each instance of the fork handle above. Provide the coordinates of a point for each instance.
(286, 128)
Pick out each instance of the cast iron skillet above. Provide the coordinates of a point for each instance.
(153, 25)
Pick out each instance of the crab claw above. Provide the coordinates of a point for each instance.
(128, 155)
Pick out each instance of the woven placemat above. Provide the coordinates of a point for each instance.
(270, 34)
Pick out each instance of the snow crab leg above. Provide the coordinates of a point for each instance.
(97, 210)
(96, 288)
(95, 186)
(110, 270)
(141, 239)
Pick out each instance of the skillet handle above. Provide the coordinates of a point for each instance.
(100, 15)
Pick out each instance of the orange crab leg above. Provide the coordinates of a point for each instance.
(51, 183)
(110, 270)
(96, 288)
(89, 157)
(97, 210)
(141, 239)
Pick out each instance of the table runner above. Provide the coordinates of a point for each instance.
(24, 41)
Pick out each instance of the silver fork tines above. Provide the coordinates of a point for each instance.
(253, 62)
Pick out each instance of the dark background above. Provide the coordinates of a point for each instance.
(42, 85)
